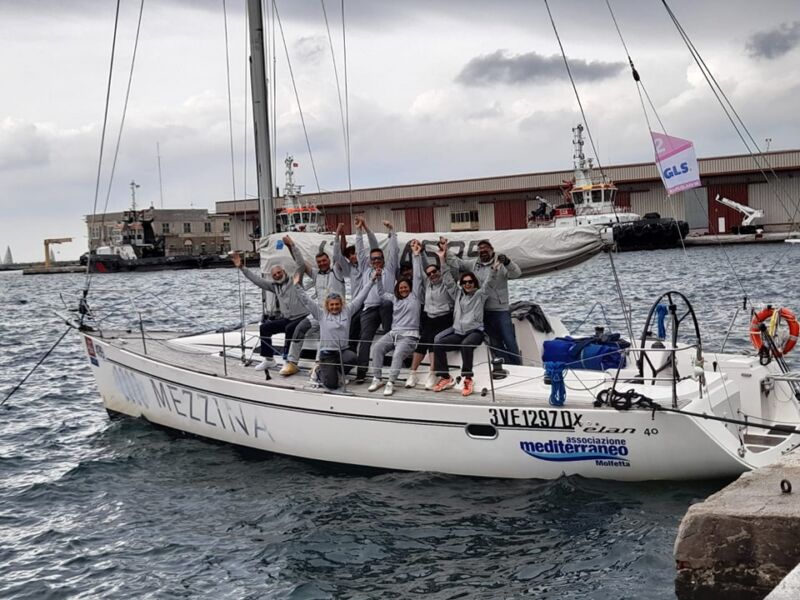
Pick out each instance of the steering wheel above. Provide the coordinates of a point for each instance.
(678, 309)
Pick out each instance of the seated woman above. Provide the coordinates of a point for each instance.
(467, 330)
(404, 335)
(335, 357)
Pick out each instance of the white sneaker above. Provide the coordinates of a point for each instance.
(265, 364)
(389, 389)
(430, 381)
(376, 384)
(411, 380)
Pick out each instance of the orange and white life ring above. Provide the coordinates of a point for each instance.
(774, 315)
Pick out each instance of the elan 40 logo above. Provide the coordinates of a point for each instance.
(605, 452)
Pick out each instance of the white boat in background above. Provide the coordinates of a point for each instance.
(297, 216)
(590, 200)
(670, 410)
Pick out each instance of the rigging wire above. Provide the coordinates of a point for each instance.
(641, 89)
(623, 306)
(297, 97)
(578, 98)
(233, 157)
(347, 118)
(102, 146)
(719, 93)
(230, 102)
(36, 366)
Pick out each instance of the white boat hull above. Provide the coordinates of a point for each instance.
(480, 438)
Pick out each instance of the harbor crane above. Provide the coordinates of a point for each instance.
(47, 247)
(750, 214)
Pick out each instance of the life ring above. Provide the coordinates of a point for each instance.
(770, 313)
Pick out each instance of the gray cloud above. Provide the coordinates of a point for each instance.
(775, 42)
(503, 67)
(311, 49)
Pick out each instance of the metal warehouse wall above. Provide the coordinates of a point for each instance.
(779, 200)
(655, 200)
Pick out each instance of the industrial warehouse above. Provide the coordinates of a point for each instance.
(507, 202)
(500, 203)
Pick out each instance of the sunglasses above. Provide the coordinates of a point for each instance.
(431, 272)
(467, 282)
(375, 258)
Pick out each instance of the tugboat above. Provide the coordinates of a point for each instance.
(296, 215)
(589, 200)
(135, 247)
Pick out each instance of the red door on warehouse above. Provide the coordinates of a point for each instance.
(510, 214)
(721, 219)
(419, 219)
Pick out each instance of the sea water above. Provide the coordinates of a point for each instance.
(95, 508)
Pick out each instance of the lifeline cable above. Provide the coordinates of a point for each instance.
(630, 399)
(36, 366)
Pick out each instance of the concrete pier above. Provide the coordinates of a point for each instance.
(741, 542)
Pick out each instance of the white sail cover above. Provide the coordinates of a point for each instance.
(536, 251)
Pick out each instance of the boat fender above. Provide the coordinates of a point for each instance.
(661, 313)
(558, 391)
(786, 486)
(769, 313)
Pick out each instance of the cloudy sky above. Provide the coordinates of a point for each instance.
(438, 89)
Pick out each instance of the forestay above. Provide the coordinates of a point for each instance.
(536, 251)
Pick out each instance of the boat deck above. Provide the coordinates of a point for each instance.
(514, 389)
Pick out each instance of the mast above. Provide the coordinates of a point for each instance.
(258, 78)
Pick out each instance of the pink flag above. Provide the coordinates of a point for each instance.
(676, 162)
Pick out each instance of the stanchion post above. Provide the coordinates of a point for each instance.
(141, 329)
(224, 355)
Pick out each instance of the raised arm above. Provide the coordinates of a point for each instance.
(417, 270)
(512, 269)
(358, 301)
(451, 260)
(339, 259)
(297, 255)
(392, 251)
(361, 252)
(312, 307)
(447, 277)
(264, 284)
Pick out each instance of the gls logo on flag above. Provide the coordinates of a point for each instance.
(676, 162)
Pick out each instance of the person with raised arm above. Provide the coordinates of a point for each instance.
(335, 358)
(326, 277)
(404, 335)
(376, 310)
(437, 314)
(468, 328)
(293, 312)
(497, 316)
(354, 264)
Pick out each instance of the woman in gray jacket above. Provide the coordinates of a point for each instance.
(334, 316)
(403, 337)
(467, 330)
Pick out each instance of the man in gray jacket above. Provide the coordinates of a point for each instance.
(376, 311)
(293, 312)
(497, 317)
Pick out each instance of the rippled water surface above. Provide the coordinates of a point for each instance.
(95, 508)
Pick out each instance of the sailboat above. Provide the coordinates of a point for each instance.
(669, 410)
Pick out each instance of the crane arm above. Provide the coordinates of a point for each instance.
(47, 243)
(750, 214)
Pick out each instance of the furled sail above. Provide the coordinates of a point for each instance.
(536, 251)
